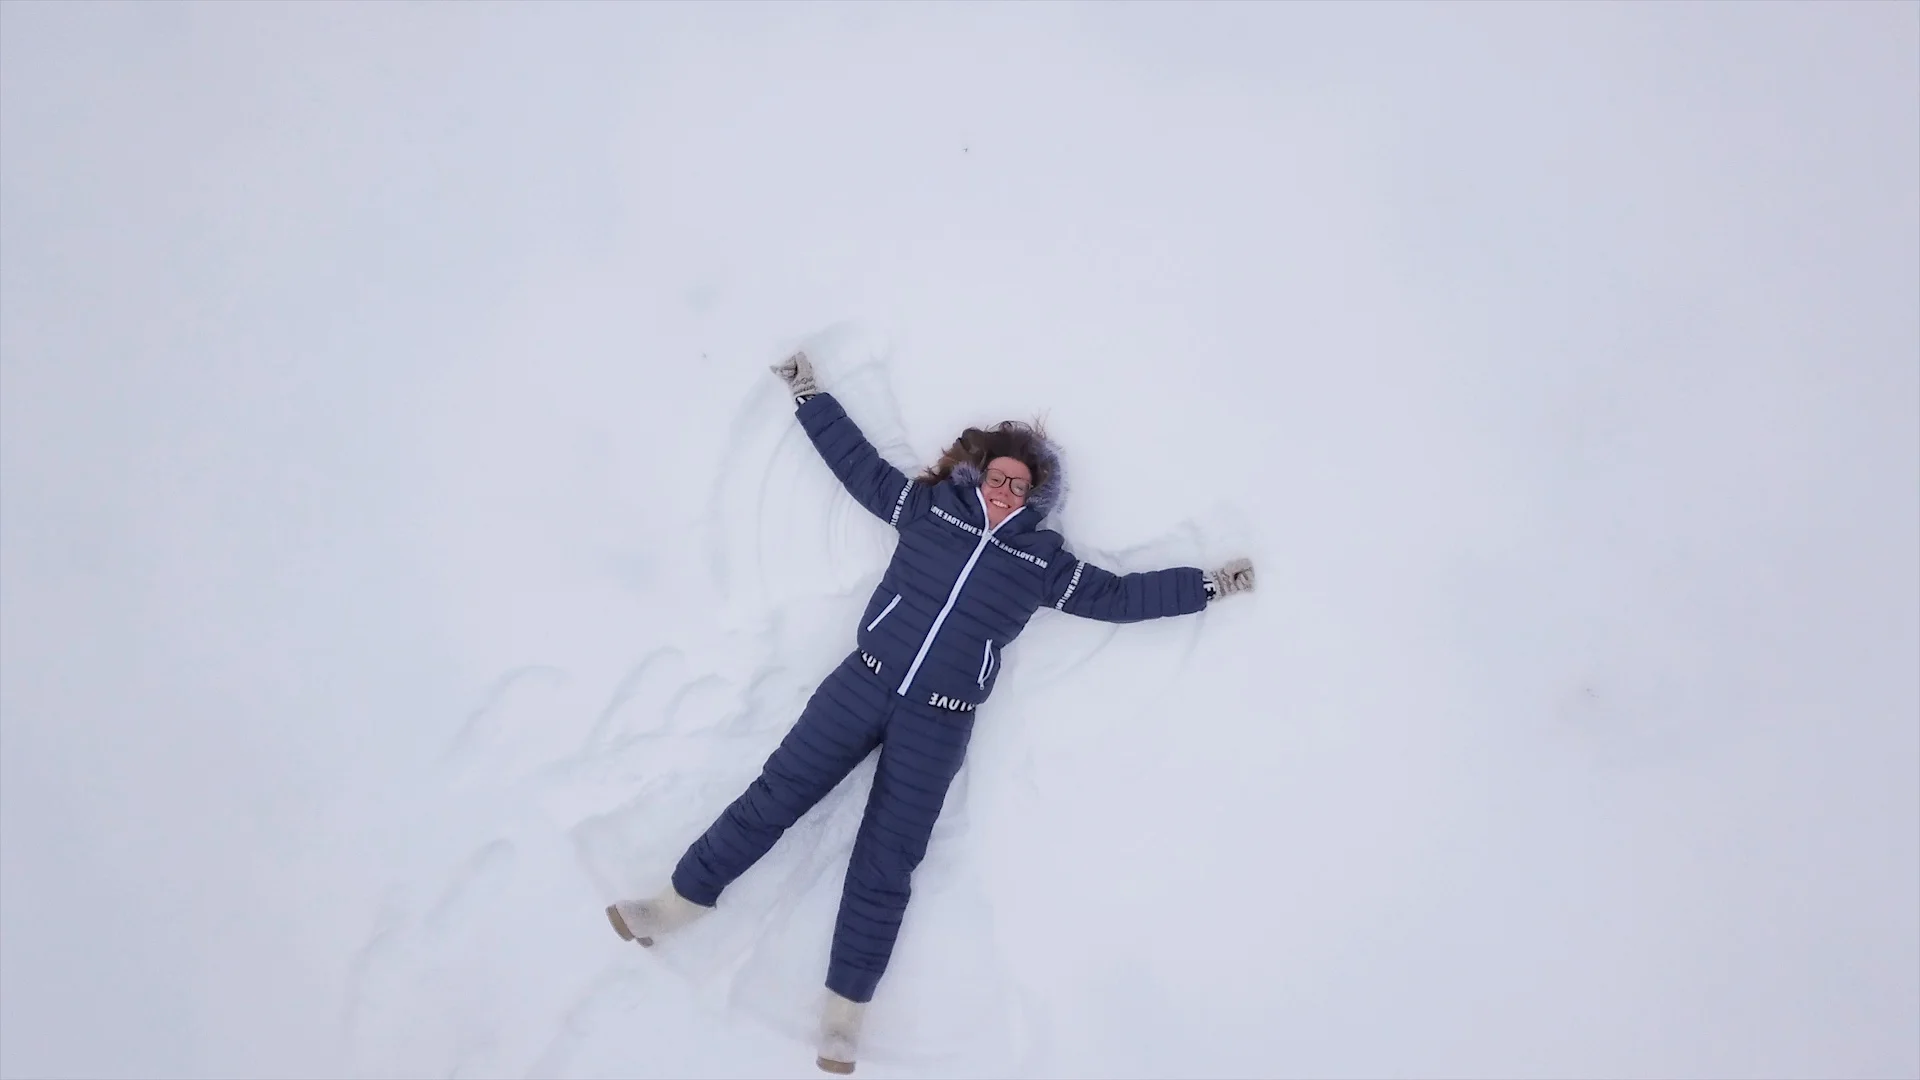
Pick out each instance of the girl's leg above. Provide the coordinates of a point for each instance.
(839, 727)
(923, 750)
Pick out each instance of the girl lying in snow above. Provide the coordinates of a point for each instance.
(971, 567)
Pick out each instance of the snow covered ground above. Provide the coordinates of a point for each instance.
(406, 551)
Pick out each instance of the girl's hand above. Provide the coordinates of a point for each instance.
(1234, 577)
(797, 372)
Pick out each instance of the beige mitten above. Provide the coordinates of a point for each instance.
(797, 372)
(1236, 576)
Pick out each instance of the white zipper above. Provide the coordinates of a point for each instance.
(985, 535)
(986, 664)
(884, 611)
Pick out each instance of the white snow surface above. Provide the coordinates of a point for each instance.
(406, 551)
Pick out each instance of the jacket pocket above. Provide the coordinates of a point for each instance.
(884, 612)
(987, 662)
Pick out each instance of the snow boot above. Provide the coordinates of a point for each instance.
(839, 1034)
(644, 920)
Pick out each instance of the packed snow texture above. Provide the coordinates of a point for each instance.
(406, 551)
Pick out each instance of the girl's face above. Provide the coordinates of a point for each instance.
(1005, 484)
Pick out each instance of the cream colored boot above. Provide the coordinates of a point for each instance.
(839, 1034)
(644, 920)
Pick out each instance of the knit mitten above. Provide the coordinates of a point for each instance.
(797, 372)
(1234, 577)
(644, 920)
(839, 1034)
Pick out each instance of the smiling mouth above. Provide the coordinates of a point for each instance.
(999, 504)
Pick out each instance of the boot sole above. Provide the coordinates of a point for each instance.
(620, 927)
(838, 1068)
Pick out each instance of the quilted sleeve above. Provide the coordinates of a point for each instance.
(885, 491)
(1078, 587)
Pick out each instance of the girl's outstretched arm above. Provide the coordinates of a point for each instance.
(871, 479)
(1078, 587)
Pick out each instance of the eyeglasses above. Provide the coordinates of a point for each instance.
(995, 478)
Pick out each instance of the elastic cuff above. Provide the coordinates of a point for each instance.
(689, 889)
(1213, 591)
(802, 399)
(855, 986)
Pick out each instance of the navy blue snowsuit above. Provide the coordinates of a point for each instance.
(928, 652)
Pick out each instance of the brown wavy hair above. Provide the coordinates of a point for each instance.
(975, 447)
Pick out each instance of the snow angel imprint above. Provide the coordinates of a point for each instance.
(972, 565)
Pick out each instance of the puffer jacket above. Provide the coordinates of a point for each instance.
(957, 593)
